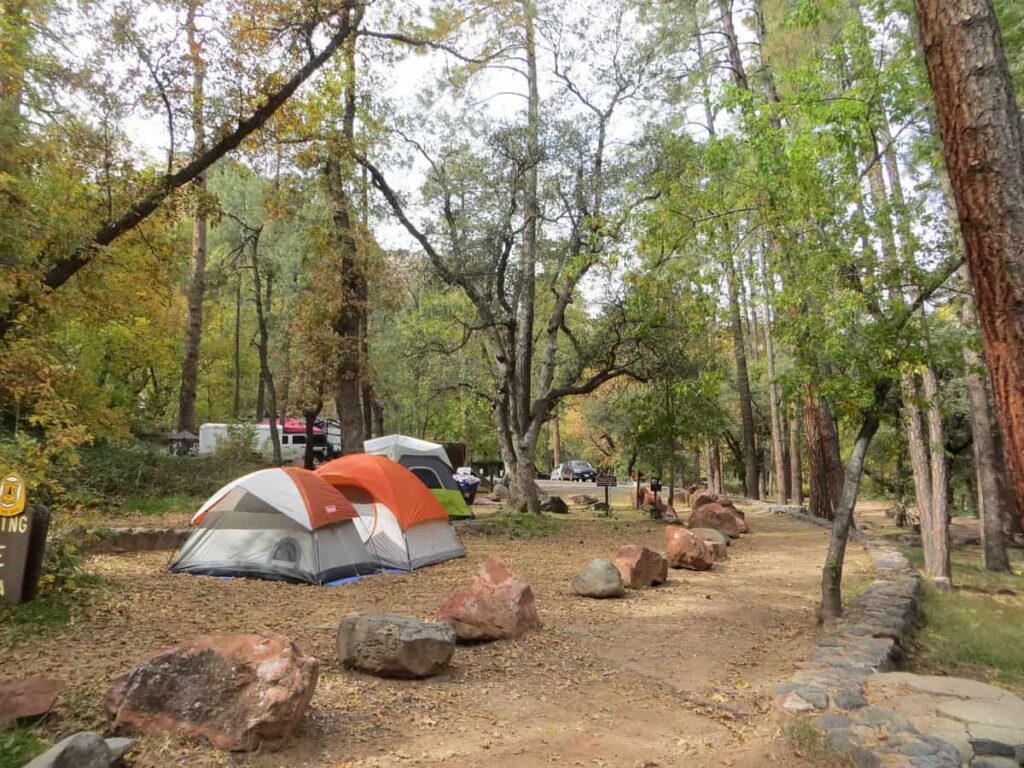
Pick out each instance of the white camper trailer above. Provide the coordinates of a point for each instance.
(291, 432)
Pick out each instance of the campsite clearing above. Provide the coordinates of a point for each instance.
(678, 674)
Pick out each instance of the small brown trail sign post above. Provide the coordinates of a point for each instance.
(22, 541)
(606, 482)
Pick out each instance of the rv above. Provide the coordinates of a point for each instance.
(291, 431)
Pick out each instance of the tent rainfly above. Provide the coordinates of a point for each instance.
(429, 462)
(283, 524)
(402, 523)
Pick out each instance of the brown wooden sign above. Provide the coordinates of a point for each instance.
(22, 543)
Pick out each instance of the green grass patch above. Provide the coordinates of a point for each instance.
(975, 630)
(157, 506)
(18, 746)
(53, 607)
(973, 635)
(526, 525)
(810, 743)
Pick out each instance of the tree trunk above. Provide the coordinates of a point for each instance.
(346, 321)
(936, 555)
(263, 348)
(824, 465)
(992, 493)
(778, 459)
(197, 273)
(832, 574)
(523, 496)
(796, 482)
(750, 478)
(378, 418)
(983, 141)
(919, 462)
(308, 459)
(261, 399)
(556, 440)
(236, 405)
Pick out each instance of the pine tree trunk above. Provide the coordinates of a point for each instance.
(983, 141)
(824, 464)
(796, 481)
(197, 272)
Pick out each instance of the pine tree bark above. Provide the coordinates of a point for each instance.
(824, 464)
(993, 491)
(197, 273)
(983, 141)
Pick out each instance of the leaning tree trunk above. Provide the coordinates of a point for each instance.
(832, 574)
(197, 273)
(983, 141)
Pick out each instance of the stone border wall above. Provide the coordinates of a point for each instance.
(122, 540)
(873, 636)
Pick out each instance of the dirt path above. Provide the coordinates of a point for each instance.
(677, 675)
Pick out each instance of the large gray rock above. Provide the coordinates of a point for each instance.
(500, 490)
(555, 504)
(83, 750)
(712, 534)
(390, 645)
(600, 578)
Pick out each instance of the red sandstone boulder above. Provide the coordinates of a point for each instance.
(496, 604)
(702, 497)
(27, 697)
(685, 549)
(235, 691)
(647, 497)
(726, 519)
(640, 567)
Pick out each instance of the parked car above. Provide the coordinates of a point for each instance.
(574, 470)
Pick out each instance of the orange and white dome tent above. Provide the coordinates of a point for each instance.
(402, 523)
(284, 523)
